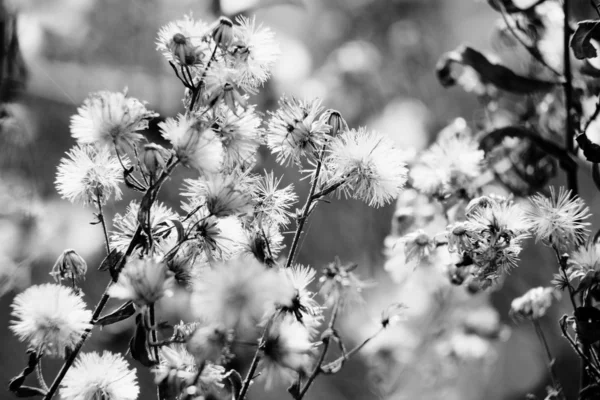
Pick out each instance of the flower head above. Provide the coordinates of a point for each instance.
(143, 281)
(296, 130)
(109, 119)
(368, 164)
(50, 317)
(209, 343)
(95, 376)
(88, 175)
(69, 265)
(302, 305)
(272, 203)
(534, 303)
(218, 238)
(183, 41)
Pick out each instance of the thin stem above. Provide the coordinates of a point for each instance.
(198, 89)
(102, 221)
(542, 337)
(568, 88)
(154, 339)
(252, 370)
(40, 374)
(336, 364)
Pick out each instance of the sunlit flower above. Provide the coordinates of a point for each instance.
(254, 51)
(586, 257)
(296, 130)
(50, 317)
(369, 165)
(272, 203)
(109, 119)
(534, 303)
(302, 305)
(177, 368)
(95, 376)
(183, 41)
(143, 281)
(88, 175)
(287, 351)
(195, 147)
(219, 238)
(559, 220)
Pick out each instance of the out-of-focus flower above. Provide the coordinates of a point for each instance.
(143, 281)
(176, 370)
(109, 119)
(209, 343)
(238, 294)
(296, 130)
(254, 51)
(417, 245)
(182, 41)
(340, 284)
(272, 203)
(264, 242)
(50, 317)
(559, 220)
(195, 147)
(534, 303)
(302, 305)
(88, 175)
(466, 347)
(95, 376)
(218, 238)
(287, 351)
(69, 265)
(368, 164)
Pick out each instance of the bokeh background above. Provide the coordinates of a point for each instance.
(373, 60)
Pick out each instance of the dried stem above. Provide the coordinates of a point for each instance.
(102, 222)
(39, 373)
(154, 339)
(542, 338)
(335, 365)
(196, 91)
(253, 366)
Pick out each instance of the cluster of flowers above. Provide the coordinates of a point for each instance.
(225, 247)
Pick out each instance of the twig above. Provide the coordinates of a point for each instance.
(154, 339)
(568, 88)
(335, 365)
(102, 221)
(542, 337)
(253, 366)
(196, 91)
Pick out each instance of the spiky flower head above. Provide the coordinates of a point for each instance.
(183, 41)
(303, 304)
(89, 175)
(109, 119)
(103, 376)
(368, 164)
(534, 303)
(50, 317)
(271, 202)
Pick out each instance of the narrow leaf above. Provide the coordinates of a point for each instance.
(29, 391)
(179, 227)
(588, 324)
(591, 150)
(110, 260)
(581, 39)
(122, 313)
(138, 345)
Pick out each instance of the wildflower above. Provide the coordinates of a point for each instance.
(296, 130)
(109, 119)
(340, 284)
(302, 305)
(89, 175)
(219, 238)
(209, 343)
(272, 203)
(417, 245)
(558, 220)
(95, 376)
(220, 85)
(222, 194)
(143, 281)
(534, 303)
(195, 147)
(287, 351)
(222, 32)
(126, 225)
(183, 41)
(336, 122)
(69, 265)
(254, 51)
(177, 368)
(50, 317)
(238, 293)
(264, 241)
(368, 165)
(585, 265)
(154, 159)
(466, 346)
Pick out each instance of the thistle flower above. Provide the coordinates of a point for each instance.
(182, 41)
(368, 165)
(558, 220)
(95, 376)
(272, 203)
(302, 305)
(254, 51)
(218, 238)
(88, 175)
(196, 147)
(222, 194)
(239, 293)
(143, 281)
(264, 242)
(109, 119)
(69, 265)
(287, 351)
(50, 317)
(533, 304)
(296, 130)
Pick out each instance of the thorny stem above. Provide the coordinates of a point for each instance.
(542, 337)
(102, 221)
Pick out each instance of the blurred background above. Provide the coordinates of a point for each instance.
(373, 60)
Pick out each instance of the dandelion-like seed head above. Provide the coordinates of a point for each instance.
(50, 317)
(303, 304)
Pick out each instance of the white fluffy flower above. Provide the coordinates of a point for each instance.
(296, 130)
(95, 376)
(50, 317)
(109, 119)
(369, 165)
(534, 303)
(271, 203)
(89, 173)
(254, 51)
(303, 304)
(143, 281)
(183, 41)
(196, 147)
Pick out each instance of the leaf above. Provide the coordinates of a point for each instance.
(490, 72)
(587, 281)
(512, 8)
(138, 345)
(15, 385)
(588, 324)
(235, 380)
(29, 391)
(581, 39)
(591, 150)
(179, 226)
(120, 314)
(110, 260)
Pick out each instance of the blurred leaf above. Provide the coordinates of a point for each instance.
(15, 385)
(29, 391)
(581, 39)
(591, 150)
(138, 345)
(179, 226)
(120, 314)
(588, 324)
(490, 72)
(510, 7)
(235, 379)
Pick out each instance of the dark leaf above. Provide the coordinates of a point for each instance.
(29, 391)
(510, 7)
(235, 380)
(138, 345)
(587, 281)
(581, 39)
(591, 150)
(122, 313)
(490, 72)
(16, 382)
(111, 260)
(179, 226)
(588, 324)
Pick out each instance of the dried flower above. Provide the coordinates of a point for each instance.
(223, 32)
(154, 159)
(69, 265)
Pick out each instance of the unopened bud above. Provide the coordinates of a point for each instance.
(69, 265)
(336, 122)
(154, 159)
(223, 32)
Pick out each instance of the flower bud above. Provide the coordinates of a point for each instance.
(336, 122)
(69, 265)
(154, 159)
(223, 32)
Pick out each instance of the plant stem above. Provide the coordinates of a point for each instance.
(568, 88)
(103, 222)
(40, 375)
(252, 370)
(154, 339)
(196, 91)
(542, 337)
(336, 364)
